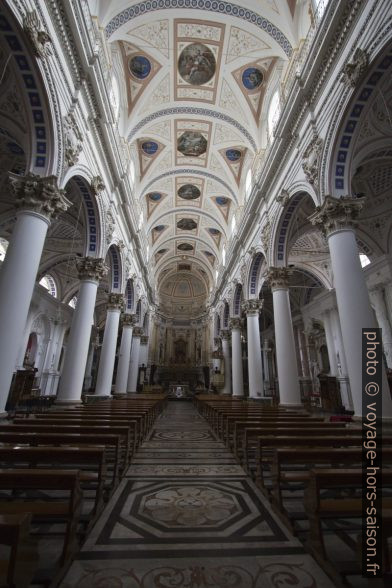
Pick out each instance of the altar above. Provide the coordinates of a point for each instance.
(179, 391)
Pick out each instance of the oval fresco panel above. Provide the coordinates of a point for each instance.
(192, 144)
(154, 196)
(187, 224)
(149, 147)
(221, 200)
(189, 192)
(233, 154)
(196, 64)
(185, 247)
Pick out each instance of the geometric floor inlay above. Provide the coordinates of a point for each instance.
(186, 515)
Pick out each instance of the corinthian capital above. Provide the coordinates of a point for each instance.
(91, 268)
(129, 320)
(115, 301)
(252, 306)
(39, 194)
(336, 214)
(225, 334)
(278, 277)
(235, 323)
(138, 332)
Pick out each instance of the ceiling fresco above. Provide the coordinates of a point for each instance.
(195, 81)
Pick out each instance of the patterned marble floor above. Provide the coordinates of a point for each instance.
(187, 516)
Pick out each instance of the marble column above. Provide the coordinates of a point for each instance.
(333, 367)
(88, 376)
(108, 351)
(143, 353)
(134, 363)
(266, 371)
(337, 218)
(236, 361)
(341, 363)
(38, 201)
(380, 308)
(225, 336)
(128, 322)
(289, 389)
(91, 270)
(252, 308)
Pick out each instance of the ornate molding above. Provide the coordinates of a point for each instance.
(266, 235)
(39, 39)
(39, 194)
(97, 185)
(91, 268)
(128, 320)
(252, 306)
(311, 160)
(283, 198)
(352, 73)
(73, 139)
(143, 340)
(336, 214)
(115, 301)
(278, 277)
(109, 226)
(138, 332)
(235, 323)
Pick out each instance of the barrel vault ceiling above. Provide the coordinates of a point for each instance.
(195, 78)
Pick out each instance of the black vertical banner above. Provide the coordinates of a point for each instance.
(372, 370)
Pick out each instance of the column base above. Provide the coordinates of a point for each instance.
(76, 401)
(294, 405)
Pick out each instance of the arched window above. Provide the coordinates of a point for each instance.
(224, 255)
(132, 171)
(364, 260)
(115, 97)
(72, 303)
(273, 115)
(48, 282)
(3, 248)
(233, 225)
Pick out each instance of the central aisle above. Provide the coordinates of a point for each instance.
(187, 516)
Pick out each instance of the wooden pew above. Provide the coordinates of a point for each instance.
(18, 569)
(122, 431)
(90, 461)
(342, 506)
(66, 509)
(114, 454)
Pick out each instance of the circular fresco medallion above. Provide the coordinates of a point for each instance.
(192, 144)
(149, 147)
(154, 196)
(252, 78)
(221, 200)
(214, 231)
(159, 228)
(196, 64)
(233, 154)
(185, 247)
(189, 192)
(208, 253)
(162, 251)
(187, 224)
(139, 66)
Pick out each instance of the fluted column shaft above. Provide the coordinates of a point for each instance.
(38, 201)
(108, 350)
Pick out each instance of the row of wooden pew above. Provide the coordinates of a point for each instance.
(309, 469)
(59, 468)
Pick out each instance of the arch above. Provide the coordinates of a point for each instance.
(282, 229)
(49, 283)
(254, 274)
(116, 271)
(92, 216)
(345, 126)
(129, 296)
(237, 298)
(33, 92)
(226, 315)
